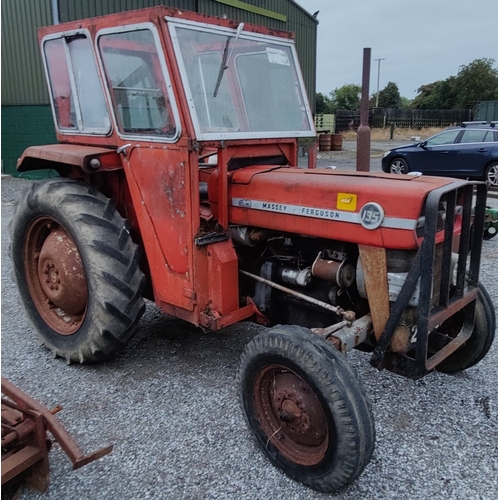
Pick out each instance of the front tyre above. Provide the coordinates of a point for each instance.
(77, 270)
(306, 408)
(398, 166)
(483, 334)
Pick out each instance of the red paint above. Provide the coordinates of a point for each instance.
(156, 184)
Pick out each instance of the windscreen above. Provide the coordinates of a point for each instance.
(241, 85)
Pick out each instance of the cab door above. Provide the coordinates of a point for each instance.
(156, 166)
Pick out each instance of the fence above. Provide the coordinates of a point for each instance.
(325, 122)
(487, 111)
(403, 118)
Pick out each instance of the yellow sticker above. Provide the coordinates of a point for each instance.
(347, 201)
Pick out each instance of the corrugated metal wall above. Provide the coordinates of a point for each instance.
(305, 29)
(23, 82)
(69, 10)
(297, 20)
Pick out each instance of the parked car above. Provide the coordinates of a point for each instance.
(469, 151)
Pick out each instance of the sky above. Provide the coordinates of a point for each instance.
(420, 41)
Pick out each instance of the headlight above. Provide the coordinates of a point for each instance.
(386, 153)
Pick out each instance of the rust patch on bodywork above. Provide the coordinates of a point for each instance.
(374, 262)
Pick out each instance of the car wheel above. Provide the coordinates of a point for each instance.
(491, 175)
(398, 166)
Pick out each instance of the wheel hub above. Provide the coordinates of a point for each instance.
(289, 412)
(299, 410)
(492, 176)
(397, 167)
(61, 274)
(291, 415)
(55, 275)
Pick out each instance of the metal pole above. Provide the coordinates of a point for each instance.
(363, 149)
(55, 11)
(378, 79)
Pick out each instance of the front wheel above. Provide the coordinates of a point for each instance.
(399, 166)
(77, 270)
(483, 334)
(306, 408)
(491, 175)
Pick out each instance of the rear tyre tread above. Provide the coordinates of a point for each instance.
(115, 304)
(98, 221)
(111, 251)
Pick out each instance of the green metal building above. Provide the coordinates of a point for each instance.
(26, 114)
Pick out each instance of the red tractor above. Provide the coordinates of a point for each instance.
(178, 182)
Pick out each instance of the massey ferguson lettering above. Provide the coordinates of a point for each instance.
(372, 216)
(317, 212)
(275, 207)
(294, 209)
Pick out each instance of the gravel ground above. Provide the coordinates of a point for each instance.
(346, 159)
(168, 403)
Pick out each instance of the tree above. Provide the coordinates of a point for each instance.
(346, 97)
(405, 103)
(437, 95)
(477, 81)
(323, 104)
(389, 97)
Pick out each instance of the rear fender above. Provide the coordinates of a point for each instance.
(88, 159)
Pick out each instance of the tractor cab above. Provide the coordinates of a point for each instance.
(174, 77)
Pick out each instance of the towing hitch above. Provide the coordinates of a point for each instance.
(25, 445)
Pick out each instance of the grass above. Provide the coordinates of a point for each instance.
(384, 134)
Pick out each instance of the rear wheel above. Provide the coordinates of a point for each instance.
(77, 270)
(491, 175)
(307, 409)
(478, 345)
(399, 166)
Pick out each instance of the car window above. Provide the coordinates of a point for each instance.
(447, 137)
(490, 136)
(473, 136)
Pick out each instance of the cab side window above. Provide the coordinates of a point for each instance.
(76, 92)
(136, 83)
